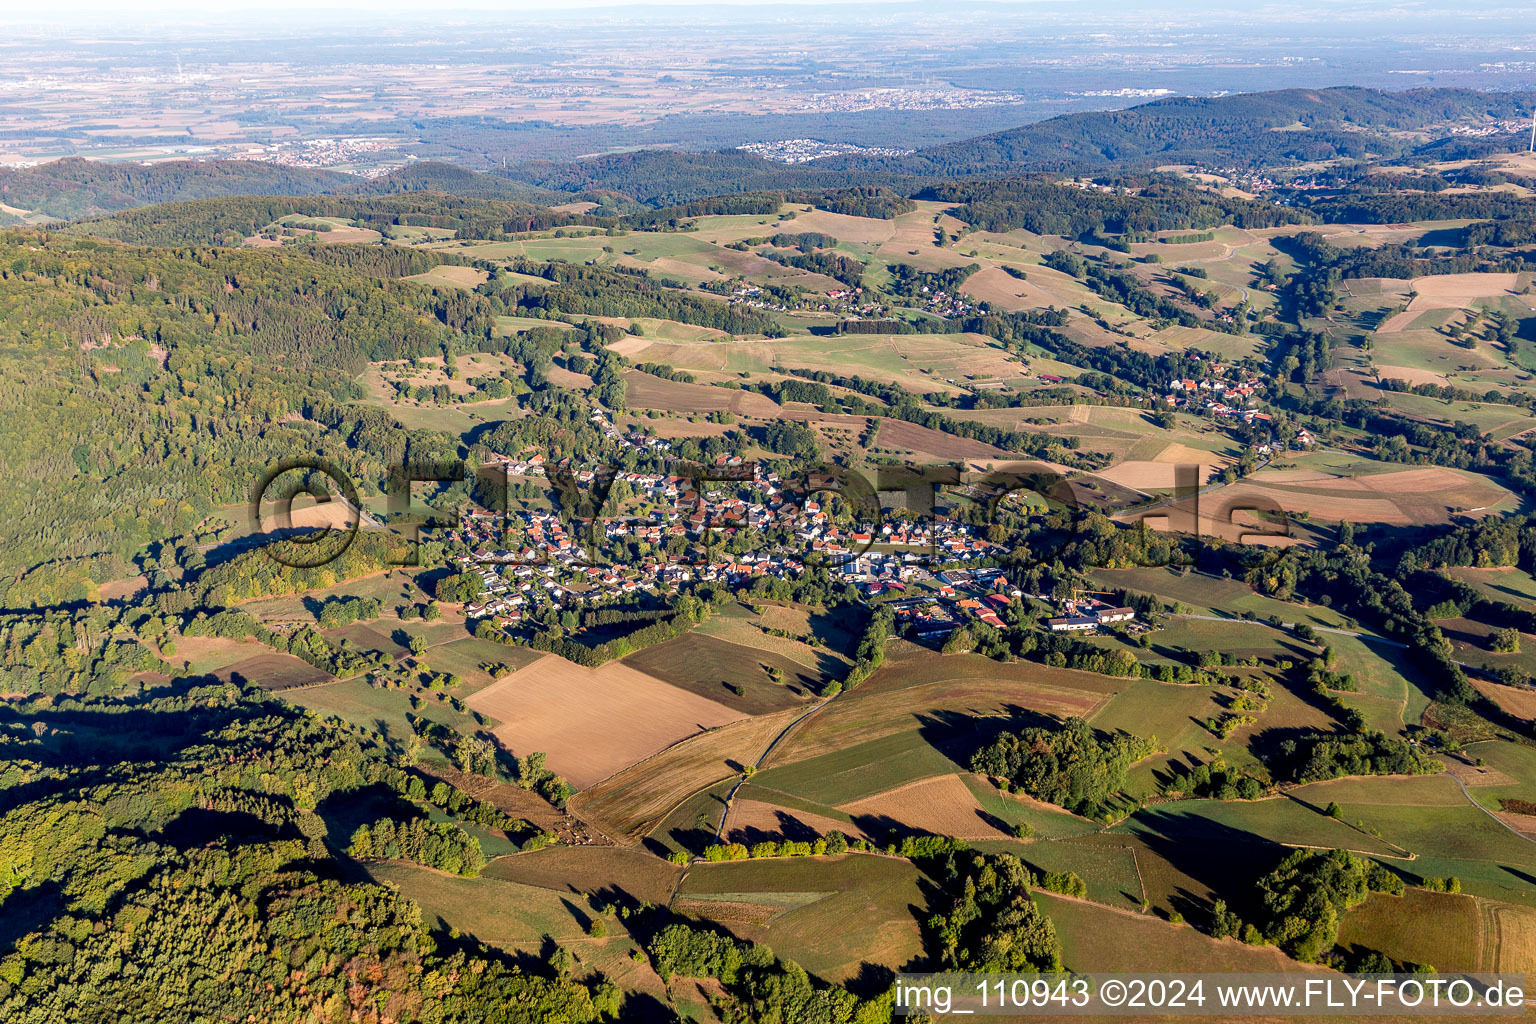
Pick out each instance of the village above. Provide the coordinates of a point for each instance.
(663, 531)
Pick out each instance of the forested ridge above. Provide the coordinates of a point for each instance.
(205, 363)
(173, 857)
(1243, 130)
(74, 187)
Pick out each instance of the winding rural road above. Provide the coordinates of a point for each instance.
(1490, 814)
(1324, 629)
(1292, 625)
(720, 828)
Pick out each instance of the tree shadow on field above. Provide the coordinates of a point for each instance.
(958, 735)
(1525, 877)
(994, 821)
(1225, 860)
(582, 915)
(787, 827)
(644, 1008)
(872, 981)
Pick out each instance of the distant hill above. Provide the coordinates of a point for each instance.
(435, 176)
(74, 187)
(1245, 130)
(663, 177)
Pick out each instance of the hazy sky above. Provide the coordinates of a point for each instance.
(166, 20)
(414, 9)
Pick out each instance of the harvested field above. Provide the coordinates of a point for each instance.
(453, 276)
(1002, 289)
(1098, 938)
(1450, 933)
(754, 820)
(117, 590)
(628, 805)
(1525, 824)
(275, 672)
(859, 230)
(1411, 374)
(1158, 474)
(648, 392)
(1397, 322)
(894, 433)
(942, 806)
(1454, 291)
(306, 513)
(593, 722)
(1519, 701)
(1415, 496)
(576, 870)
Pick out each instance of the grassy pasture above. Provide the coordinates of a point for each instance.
(391, 588)
(451, 276)
(1280, 819)
(1448, 834)
(1108, 865)
(919, 362)
(710, 667)
(690, 824)
(1102, 939)
(830, 914)
(200, 655)
(599, 870)
(859, 771)
(469, 657)
(384, 711)
(1515, 768)
(504, 914)
(1208, 594)
(1048, 821)
(739, 625)
(917, 705)
(1507, 584)
(1501, 420)
(1449, 933)
(1173, 714)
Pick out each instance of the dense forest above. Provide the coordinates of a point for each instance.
(196, 828)
(73, 187)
